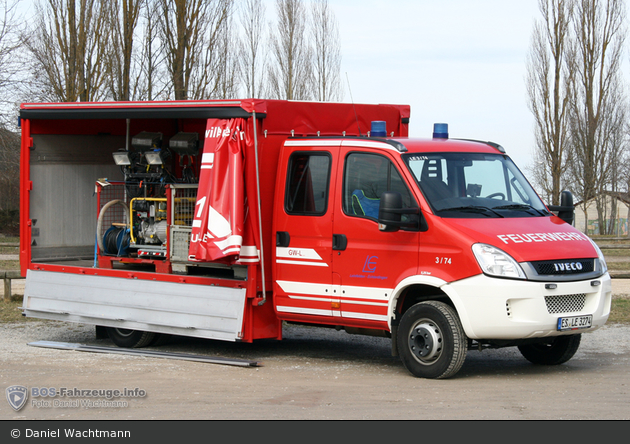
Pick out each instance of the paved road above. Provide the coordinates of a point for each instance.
(312, 374)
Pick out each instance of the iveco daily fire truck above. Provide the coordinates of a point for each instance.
(227, 219)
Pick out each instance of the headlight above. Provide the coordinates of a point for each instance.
(496, 262)
(600, 255)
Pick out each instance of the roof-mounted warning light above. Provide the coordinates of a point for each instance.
(440, 130)
(379, 128)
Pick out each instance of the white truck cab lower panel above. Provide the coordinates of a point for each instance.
(491, 308)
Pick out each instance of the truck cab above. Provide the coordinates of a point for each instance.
(441, 244)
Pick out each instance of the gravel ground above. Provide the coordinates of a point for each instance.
(316, 374)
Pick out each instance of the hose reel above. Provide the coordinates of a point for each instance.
(115, 241)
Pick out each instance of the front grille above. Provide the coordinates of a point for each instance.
(573, 266)
(565, 304)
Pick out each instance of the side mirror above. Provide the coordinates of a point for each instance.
(390, 213)
(566, 209)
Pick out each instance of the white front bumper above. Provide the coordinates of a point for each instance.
(491, 308)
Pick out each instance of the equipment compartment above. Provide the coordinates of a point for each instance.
(114, 197)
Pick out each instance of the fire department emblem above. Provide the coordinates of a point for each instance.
(17, 396)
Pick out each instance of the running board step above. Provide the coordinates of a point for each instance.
(146, 353)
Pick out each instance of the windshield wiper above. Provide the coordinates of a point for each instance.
(473, 209)
(524, 207)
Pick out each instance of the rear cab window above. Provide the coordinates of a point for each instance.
(307, 186)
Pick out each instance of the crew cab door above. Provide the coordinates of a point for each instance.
(302, 264)
(372, 262)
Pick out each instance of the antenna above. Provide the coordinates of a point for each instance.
(353, 107)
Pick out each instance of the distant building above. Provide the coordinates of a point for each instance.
(617, 226)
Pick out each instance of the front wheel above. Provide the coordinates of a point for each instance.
(126, 338)
(431, 341)
(557, 351)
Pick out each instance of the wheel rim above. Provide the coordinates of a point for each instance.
(124, 332)
(425, 341)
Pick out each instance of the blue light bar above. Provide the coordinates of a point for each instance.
(379, 128)
(440, 130)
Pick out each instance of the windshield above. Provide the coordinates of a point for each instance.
(474, 185)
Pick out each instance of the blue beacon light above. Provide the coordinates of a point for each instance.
(379, 128)
(440, 130)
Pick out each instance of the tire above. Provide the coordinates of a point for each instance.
(439, 352)
(160, 339)
(557, 351)
(126, 338)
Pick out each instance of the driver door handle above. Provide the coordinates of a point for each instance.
(283, 239)
(340, 242)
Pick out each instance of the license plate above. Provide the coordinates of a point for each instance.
(575, 322)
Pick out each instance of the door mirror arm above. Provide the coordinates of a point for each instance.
(390, 212)
(566, 209)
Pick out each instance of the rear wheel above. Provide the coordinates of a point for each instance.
(160, 339)
(554, 352)
(126, 338)
(431, 340)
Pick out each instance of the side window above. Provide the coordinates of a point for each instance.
(520, 194)
(366, 177)
(307, 184)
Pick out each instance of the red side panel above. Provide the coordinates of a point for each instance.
(326, 119)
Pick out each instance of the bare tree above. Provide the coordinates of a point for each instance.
(123, 19)
(251, 51)
(10, 67)
(225, 60)
(549, 90)
(68, 44)
(624, 181)
(149, 78)
(191, 31)
(290, 74)
(614, 129)
(327, 53)
(597, 114)
(9, 169)
(179, 23)
(9, 140)
(9, 45)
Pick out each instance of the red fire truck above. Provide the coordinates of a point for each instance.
(224, 219)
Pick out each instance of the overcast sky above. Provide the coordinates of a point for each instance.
(461, 62)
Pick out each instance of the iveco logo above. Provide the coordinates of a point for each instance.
(568, 266)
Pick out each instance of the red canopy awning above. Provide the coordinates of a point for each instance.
(217, 231)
